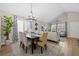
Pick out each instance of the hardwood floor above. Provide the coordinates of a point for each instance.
(5, 51)
(69, 47)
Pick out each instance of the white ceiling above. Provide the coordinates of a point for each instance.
(43, 11)
(70, 7)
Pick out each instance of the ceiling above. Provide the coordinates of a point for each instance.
(42, 11)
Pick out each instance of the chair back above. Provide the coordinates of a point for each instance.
(44, 38)
(20, 36)
(23, 38)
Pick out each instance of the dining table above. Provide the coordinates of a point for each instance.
(32, 38)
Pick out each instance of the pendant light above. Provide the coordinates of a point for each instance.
(31, 16)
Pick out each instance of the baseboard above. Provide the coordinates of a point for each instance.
(53, 41)
(72, 38)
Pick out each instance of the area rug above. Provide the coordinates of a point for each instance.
(53, 49)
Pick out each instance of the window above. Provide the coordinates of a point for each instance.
(20, 25)
(53, 28)
(24, 25)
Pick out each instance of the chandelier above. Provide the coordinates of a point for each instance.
(31, 16)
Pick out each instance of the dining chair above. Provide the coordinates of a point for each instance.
(23, 41)
(43, 41)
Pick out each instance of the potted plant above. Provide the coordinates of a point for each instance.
(8, 23)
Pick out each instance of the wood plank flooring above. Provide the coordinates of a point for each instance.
(5, 51)
(70, 47)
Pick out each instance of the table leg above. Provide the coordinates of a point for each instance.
(32, 46)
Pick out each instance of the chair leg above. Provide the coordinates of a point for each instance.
(23, 46)
(26, 49)
(35, 46)
(41, 50)
(45, 47)
(20, 44)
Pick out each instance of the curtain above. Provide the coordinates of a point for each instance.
(15, 30)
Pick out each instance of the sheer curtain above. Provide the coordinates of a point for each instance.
(15, 31)
(20, 25)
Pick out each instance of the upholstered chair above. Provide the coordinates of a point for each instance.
(43, 41)
(23, 41)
